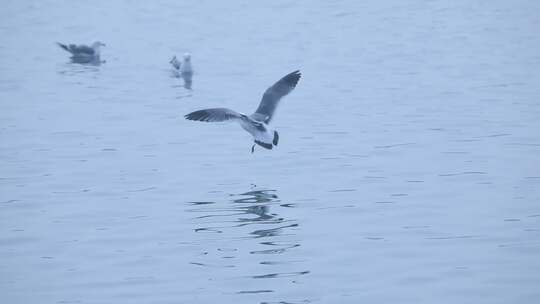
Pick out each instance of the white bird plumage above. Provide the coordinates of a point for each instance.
(184, 66)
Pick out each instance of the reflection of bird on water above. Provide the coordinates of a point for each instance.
(255, 124)
(183, 69)
(255, 199)
(249, 208)
(257, 196)
(83, 53)
(247, 225)
(259, 204)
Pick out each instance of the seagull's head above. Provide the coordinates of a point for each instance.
(97, 44)
(187, 57)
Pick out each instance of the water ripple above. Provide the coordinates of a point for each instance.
(278, 275)
(273, 234)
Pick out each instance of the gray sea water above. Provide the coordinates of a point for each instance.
(408, 169)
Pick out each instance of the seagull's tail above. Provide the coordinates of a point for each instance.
(276, 138)
(63, 46)
(264, 145)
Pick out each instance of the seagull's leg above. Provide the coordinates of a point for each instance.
(253, 148)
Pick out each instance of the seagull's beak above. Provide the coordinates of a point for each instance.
(103, 44)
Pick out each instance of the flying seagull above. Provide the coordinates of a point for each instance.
(255, 124)
(83, 51)
(183, 67)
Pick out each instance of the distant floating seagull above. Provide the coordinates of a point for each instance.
(183, 67)
(255, 124)
(83, 51)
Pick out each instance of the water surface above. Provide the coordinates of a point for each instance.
(407, 170)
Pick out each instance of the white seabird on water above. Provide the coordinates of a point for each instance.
(83, 51)
(255, 124)
(183, 67)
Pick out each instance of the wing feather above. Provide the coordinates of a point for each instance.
(213, 115)
(273, 95)
(81, 49)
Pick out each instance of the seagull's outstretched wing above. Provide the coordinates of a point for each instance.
(214, 115)
(78, 49)
(175, 63)
(273, 94)
(65, 47)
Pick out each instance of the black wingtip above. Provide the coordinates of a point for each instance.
(200, 115)
(62, 46)
(264, 145)
(293, 78)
